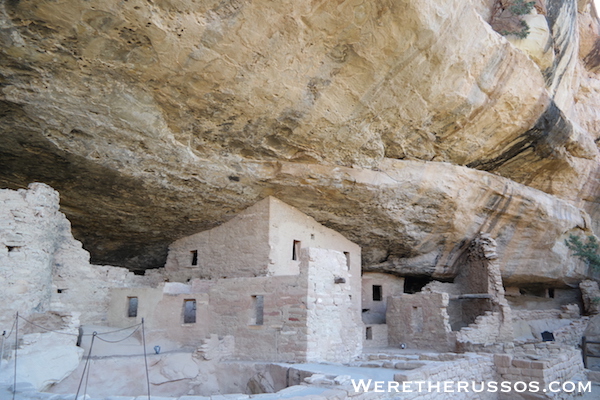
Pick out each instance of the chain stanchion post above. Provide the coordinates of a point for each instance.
(2, 349)
(16, 349)
(145, 358)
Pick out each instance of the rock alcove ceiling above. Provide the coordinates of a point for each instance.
(409, 126)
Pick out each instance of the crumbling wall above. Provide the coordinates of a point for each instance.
(31, 231)
(542, 363)
(85, 288)
(566, 324)
(420, 320)
(537, 297)
(479, 276)
(454, 306)
(43, 268)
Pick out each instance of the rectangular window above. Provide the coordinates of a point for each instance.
(194, 257)
(369, 333)
(258, 307)
(377, 293)
(189, 311)
(132, 307)
(347, 254)
(296, 250)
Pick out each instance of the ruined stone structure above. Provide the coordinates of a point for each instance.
(285, 287)
(300, 304)
(274, 157)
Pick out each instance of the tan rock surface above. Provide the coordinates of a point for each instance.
(160, 119)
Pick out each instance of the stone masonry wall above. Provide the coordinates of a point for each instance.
(378, 336)
(282, 336)
(31, 231)
(543, 363)
(420, 320)
(43, 268)
(237, 248)
(333, 306)
(485, 330)
(566, 324)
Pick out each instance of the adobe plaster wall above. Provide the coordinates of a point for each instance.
(287, 224)
(391, 285)
(258, 241)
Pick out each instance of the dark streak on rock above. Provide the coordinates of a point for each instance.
(562, 38)
(550, 132)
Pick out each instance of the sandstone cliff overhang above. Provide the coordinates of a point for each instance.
(158, 119)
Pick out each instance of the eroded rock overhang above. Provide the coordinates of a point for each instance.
(159, 119)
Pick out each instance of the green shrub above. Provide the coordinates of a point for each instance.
(522, 34)
(587, 252)
(520, 7)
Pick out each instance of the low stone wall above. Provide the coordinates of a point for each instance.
(565, 324)
(484, 331)
(548, 363)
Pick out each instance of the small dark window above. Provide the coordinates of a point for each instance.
(551, 293)
(377, 293)
(61, 290)
(369, 333)
(194, 257)
(132, 307)
(296, 250)
(189, 311)
(547, 336)
(312, 236)
(347, 254)
(258, 305)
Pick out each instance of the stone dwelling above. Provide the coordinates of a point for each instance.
(283, 286)
(471, 313)
(298, 300)
(377, 288)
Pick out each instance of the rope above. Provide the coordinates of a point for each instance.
(85, 369)
(87, 376)
(76, 334)
(4, 338)
(16, 348)
(145, 358)
(120, 340)
(11, 330)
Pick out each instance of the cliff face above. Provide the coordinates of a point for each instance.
(409, 126)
